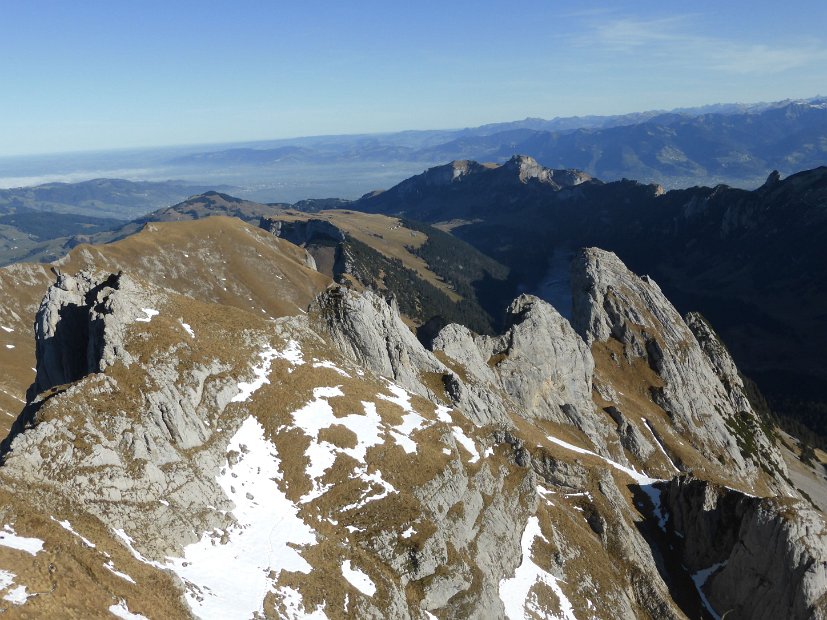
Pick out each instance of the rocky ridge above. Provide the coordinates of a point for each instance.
(480, 476)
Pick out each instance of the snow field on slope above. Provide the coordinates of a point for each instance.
(292, 353)
(370, 430)
(269, 531)
(120, 610)
(231, 580)
(9, 538)
(358, 579)
(17, 595)
(515, 592)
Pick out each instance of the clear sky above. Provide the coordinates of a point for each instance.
(109, 74)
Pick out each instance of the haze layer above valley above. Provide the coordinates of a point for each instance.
(737, 144)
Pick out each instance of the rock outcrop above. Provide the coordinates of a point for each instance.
(80, 324)
(540, 363)
(753, 557)
(698, 391)
(370, 331)
(302, 232)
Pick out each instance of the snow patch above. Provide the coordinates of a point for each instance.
(9, 346)
(187, 328)
(18, 596)
(443, 414)
(6, 329)
(409, 532)
(371, 479)
(6, 579)
(358, 579)
(9, 538)
(122, 611)
(293, 605)
(466, 443)
(368, 429)
(400, 397)
(515, 593)
(149, 312)
(292, 354)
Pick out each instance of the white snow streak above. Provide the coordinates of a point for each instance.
(411, 420)
(68, 527)
(515, 593)
(110, 566)
(466, 443)
(6, 329)
(632, 473)
(8, 538)
(660, 445)
(358, 579)
(127, 540)
(645, 482)
(330, 366)
(700, 579)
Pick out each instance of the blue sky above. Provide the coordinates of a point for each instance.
(97, 75)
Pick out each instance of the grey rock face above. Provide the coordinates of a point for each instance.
(528, 169)
(303, 232)
(545, 367)
(369, 330)
(80, 325)
(540, 363)
(610, 301)
(772, 553)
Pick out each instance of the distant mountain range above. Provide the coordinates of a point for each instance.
(736, 144)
